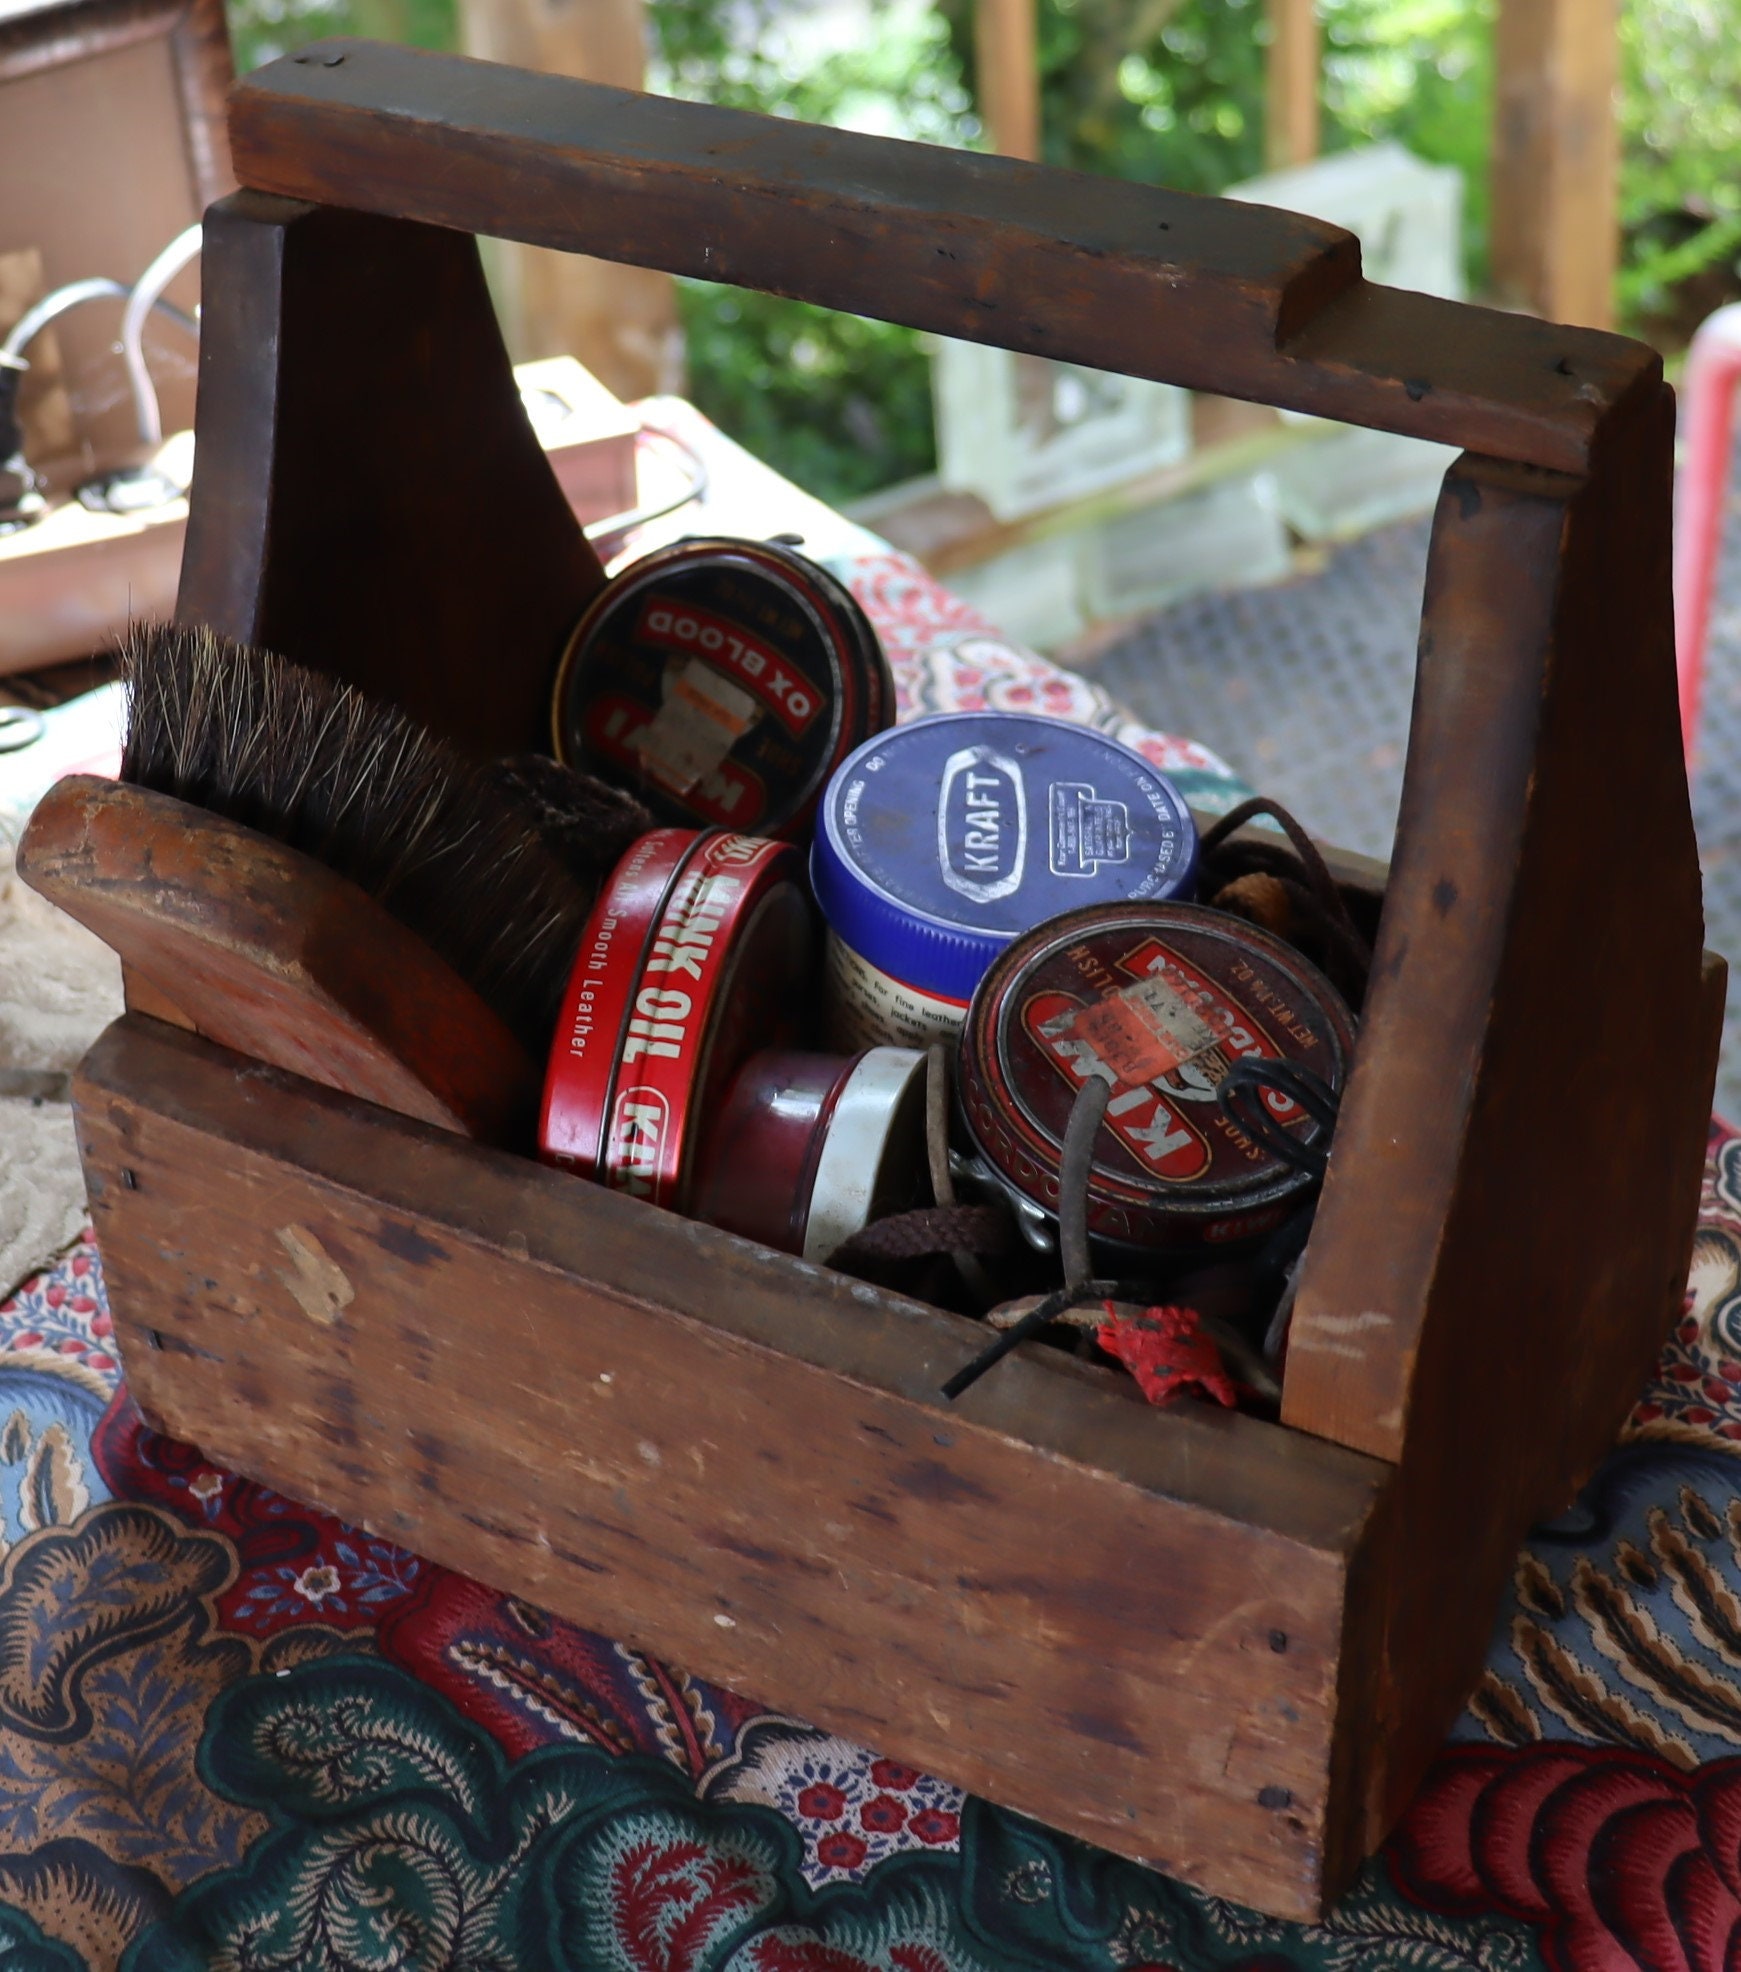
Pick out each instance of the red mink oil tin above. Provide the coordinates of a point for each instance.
(1159, 999)
(698, 953)
(808, 1149)
(723, 681)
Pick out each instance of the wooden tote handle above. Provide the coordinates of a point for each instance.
(1200, 292)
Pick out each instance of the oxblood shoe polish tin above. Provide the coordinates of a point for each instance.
(1160, 1000)
(723, 681)
(697, 954)
(938, 843)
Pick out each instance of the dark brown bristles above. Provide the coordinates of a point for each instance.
(494, 866)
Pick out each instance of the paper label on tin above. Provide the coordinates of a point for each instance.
(588, 989)
(674, 625)
(700, 720)
(1143, 1031)
(864, 1008)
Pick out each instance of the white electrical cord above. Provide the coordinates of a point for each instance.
(145, 296)
(98, 288)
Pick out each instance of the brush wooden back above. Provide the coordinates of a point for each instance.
(1504, 1232)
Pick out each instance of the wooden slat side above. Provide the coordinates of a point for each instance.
(230, 504)
(1225, 1462)
(1502, 386)
(1487, 623)
(1235, 299)
(1098, 1629)
(1572, 1102)
(649, 179)
(1564, 1259)
(370, 498)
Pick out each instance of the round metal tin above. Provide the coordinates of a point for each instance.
(872, 1160)
(597, 999)
(807, 1149)
(940, 842)
(758, 1160)
(698, 954)
(1159, 999)
(724, 975)
(723, 681)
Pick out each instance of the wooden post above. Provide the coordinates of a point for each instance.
(1291, 123)
(1556, 158)
(621, 322)
(1007, 41)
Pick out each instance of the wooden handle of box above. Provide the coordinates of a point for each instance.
(1206, 293)
(268, 952)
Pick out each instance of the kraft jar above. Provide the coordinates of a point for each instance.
(695, 957)
(1159, 1001)
(940, 842)
(723, 681)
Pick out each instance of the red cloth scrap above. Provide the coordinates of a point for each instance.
(1167, 1352)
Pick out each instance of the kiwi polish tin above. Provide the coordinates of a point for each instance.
(1159, 1000)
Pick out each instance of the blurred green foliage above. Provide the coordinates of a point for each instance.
(1421, 72)
(1171, 92)
(262, 30)
(903, 79)
(1680, 184)
(1165, 91)
(838, 404)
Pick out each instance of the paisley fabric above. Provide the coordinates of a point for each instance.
(235, 1733)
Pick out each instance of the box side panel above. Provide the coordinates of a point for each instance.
(1504, 1236)
(1041, 1623)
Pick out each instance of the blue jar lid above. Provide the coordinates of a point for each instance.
(940, 842)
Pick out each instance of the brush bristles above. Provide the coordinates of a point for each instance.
(495, 867)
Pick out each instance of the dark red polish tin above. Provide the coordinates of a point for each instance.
(808, 1149)
(723, 681)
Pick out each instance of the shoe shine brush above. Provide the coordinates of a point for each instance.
(307, 875)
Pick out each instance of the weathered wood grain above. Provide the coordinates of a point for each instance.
(271, 953)
(1503, 1240)
(1126, 1623)
(1244, 301)
(1536, 1013)
(369, 499)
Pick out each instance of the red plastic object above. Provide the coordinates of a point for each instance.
(1708, 400)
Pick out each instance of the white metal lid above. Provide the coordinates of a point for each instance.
(874, 1147)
